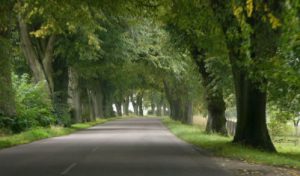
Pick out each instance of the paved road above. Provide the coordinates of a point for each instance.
(133, 147)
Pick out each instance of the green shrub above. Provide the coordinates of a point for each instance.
(6, 122)
(62, 115)
(34, 107)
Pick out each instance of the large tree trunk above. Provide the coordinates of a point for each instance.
(38, 56)
(134, 104)
(159, 107)
(126, 106)
(108, 103)
(152, 107)
(7, 97)
(99, 101)
(47, 62)
(176, 115)
(91, 105)
(214, 97)
(74, 96)
(296, 124)
(173, 101)
(94, 104)
(165, 111)
(60, 91)
(251, 126)
(169, 98)
(119, 108)
(180, 102)
(140, 104)
(188, 112)
(29, 52)
(85, 107)
(216, 122)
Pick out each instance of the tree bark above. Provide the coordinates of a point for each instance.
(74, 96)
(119, 108)
(214, 97)
(95, 104)
(180, 102)
(85, 110)
(47, 62)
(39, 58)
(126, 106)
(216, 122)
(134, 104)
(296, 124)
(140, 104)
(152, 108)
(189, 112)
(7, 97)
(165, 111)
(99, 101)
(29, 52)
(173, 101)
(159, 107)
(108, 103)
(91, 105)
(60, 91)
(251, 125)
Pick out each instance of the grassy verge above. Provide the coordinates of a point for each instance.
(42, 133)
(287, 156)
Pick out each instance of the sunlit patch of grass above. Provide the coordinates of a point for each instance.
(287, 156)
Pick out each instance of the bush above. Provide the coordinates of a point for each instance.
(34, 107)
(6, 122)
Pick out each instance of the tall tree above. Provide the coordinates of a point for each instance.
(252, 30)
(7, 101)
(190, 24)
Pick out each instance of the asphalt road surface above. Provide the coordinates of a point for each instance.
(132, 147)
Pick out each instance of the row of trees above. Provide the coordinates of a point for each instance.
(93, 58)
(258, 40)
(169, 55)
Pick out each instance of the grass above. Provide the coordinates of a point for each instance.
(287, 156)
(42, 133)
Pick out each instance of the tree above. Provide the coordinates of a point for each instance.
(43, 26)
(7, 100)
(194, 29)
(252, 30)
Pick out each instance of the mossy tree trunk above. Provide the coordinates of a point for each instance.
(7, 97)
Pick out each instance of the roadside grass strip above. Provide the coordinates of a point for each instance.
(287, 156)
